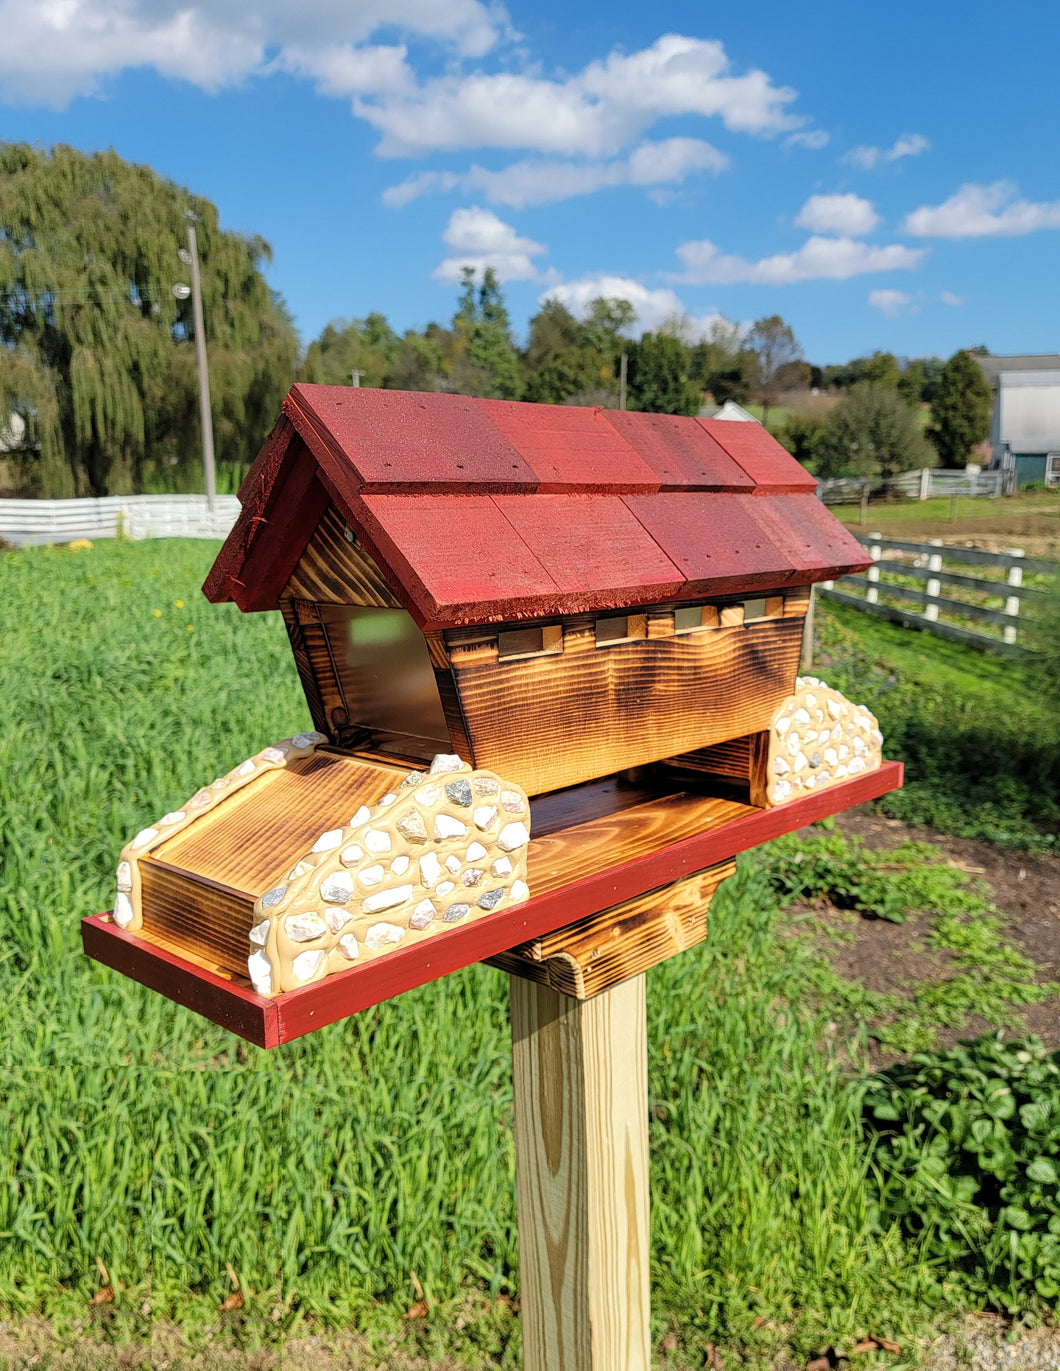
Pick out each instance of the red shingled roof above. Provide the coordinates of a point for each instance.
(489, 510)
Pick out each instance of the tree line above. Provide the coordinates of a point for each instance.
(97, 358)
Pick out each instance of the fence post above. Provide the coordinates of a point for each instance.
(934, 586)
(925, 483)
(863, 516)
(1012, 602)
(872, 595)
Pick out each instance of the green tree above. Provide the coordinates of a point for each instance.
(803, 435)
(774, 344)
(882, 369)
(659, 376)
(723, 365)
(367, 345)
(871, 432)
(96, 354)
(960, 411)
(484, 360)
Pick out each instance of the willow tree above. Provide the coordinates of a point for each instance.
(96, 353)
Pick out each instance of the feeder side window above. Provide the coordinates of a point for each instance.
(693, 617)
(754, 609)
(546, 641)
(620, 628)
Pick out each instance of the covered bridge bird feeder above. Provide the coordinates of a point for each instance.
(551, 659)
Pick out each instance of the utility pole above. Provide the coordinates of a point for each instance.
(205, 415)
(355, 377)
(622, 363)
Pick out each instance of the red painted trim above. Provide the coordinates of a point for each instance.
(270, 1022)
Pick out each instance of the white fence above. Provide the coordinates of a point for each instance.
(925, 484)
(979, 599)
(29, 522)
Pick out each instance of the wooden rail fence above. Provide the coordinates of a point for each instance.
(924, 562)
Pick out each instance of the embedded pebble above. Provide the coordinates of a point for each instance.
(802, 716)
(336, 917)
(303, 928)
(792, 744)
(306, 965)
(308, 739)
(843, 752)
(490, 899)
(455, 913)
(513, 836)
(428, 795)
(474, 852)
(387, 800)
(386, 899)
(260, 970)
(782, 726)
(484, 816)
(459, 793)
(412, 828)
(273, 896)
(371, 875)
(835, 739)
(856, 766)
(145, 835)
(445, 826)
(244, 768)
(782, 790)
(815, 759)
(274, 754)
(123, 910)
(858, 745)
(200, 798)
(399, 866)
(259, 934)
(512, 802)
(780, 766)
(380, 935)
(174, 818)
(446, 762)
(328, 841)
(452, 864)
(472, 876)
(811, 700)
(801, 761)
(422, 915)
(486, 785)
(299, 869)
(413, 778)
(375, 840)
(361, 817)
(501, 867)
(830, 756)
(519, 892)
(350, 856)
(348, 943)
(337, 888)
(430, 869)
(840, 771)
(446, 887)
(124, 876)
(834, 708)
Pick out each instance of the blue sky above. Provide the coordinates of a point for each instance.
(882, 176)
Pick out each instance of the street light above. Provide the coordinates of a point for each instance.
(190, 257)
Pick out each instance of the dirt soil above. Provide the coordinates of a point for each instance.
(1037, 534)
(887, 956)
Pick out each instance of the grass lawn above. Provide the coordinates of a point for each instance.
(337, 1178)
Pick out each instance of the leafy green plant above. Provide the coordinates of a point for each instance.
(967, 1160)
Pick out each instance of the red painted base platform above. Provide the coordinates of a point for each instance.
(606, 844)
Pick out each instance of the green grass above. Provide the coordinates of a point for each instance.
(342, 1173)
(940, 509)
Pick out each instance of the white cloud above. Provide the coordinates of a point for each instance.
(813, 139)
(53, 50)
(954, 301)
(653, 307)
(981, 211)
(539, 181)
(480, 240)
(892, 302)
(819, 259)
(908, 145)
(842, 214)
(594, 113)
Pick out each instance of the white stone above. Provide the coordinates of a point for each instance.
(173, 818)
(840, 771)
(306, 965)
(801, 761)
(452, 864)
(123, 910)
(810, 700)
(859, 747)
(834, 708)
(430, 869)
(843, 752)
(259, 934)
(820, 715)
(830, 756)
(362, 816)
(782, 726)
(387, 800)
(299, 869)
(512, 802)
(856, 766)
(475, 851)
(399, 866)
(386, 899)
(810, 781)
(520, 891)
(428, 795)
(792, 744)
(377, 840)
(303, 928)
(337, 888)
(379, 935)
(446, 888)
(472, 875)
(273, 896)
(485, 815)
(876, 738)
(145, 835)
(501, 867)
(260, 969)
(445, 762)
(445, 826)
(348, 944)
(781, 791)
(371, 875)
(422, 915)
(780, 766)
(274, 754)
(308, 739)
(200, 798)
(328, 841)
(823, 776)
(336, 917)
(245, 768)
(809, 737)
(837, 733)
(124, 876)
(801, 716)
(350, 856)
(512, 837)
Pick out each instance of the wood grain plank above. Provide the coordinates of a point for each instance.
(811, 536)
(581, 1140)
(333, 570)
(680, 451)
(771, 467)
(571, 445)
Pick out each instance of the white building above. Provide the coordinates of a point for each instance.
(1025, 430)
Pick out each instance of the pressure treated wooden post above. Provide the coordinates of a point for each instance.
(581, 1138)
